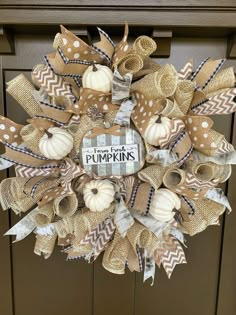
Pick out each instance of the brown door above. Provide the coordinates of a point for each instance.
(30, 285)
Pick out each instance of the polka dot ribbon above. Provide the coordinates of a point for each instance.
(10, 131)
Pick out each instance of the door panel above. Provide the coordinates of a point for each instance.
(6, 305)
(55, 286)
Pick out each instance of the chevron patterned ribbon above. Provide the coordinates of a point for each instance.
(104, 237)
(68, 173)
(92, 236)
(186, 71)
(25, 171)
(176, 128)
(52, 83)
(193, 182)
(223, 103)
(99, 237)
(171, 258)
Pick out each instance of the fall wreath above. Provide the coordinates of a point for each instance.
(118, 156)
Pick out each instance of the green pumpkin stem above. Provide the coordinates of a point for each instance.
(49, 134)
(158, 121)
(94, 67)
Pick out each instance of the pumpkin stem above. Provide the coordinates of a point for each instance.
(49, 134)
(94, 191)
(94, 67)
(158, 121)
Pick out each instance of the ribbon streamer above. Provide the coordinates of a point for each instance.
(178, 235)
(124, 113)
(4, 164)
(217, 195)
(120, 87)
(150, 267)
(123, 219)
(222, 159)
(24, 227)
(164, 157)
(157, 227)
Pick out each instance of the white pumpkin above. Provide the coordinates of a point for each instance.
(56, 143)
(98, 78)
(163, 203)
(157, 128)
(98, 195)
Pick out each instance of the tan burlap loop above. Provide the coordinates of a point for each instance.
(110, 117)
(44, 215)
(58, 41)
(170, 108)
(207, 213)
(209, 171)
(149, 66)
(224, 79)
(22, 90)
(139, 235)
(175, 180)
(202, 171)
(65, 226)
(175, 177)
(116, 253)
(31, 137)
(224, 90)
(130, 63)
(14, 196)
(159, 84)
(44, 245)
(79, 131)
(153, 175)
(184, 94)
(66, 205)
(144, 45)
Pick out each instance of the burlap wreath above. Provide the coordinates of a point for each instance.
(134, 205)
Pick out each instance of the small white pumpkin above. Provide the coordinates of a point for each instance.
(164, 201)
(157, 128)
(98, 195)
(98, 78)
(56, 143)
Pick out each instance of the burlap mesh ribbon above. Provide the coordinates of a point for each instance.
(170, 108)
(153, 175)
(144, 45)
(184, 95)
(22, 90)
(207, 213)
(31, 137)
(131, 63)
(136, 60)
(65, 205)
(224, 79)
(209, 171)
(175, 180)
(122, 250)
(79, 131)
(149, 66)
(14, 194)
(159, 84)
(44, 245)
(44, 215)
